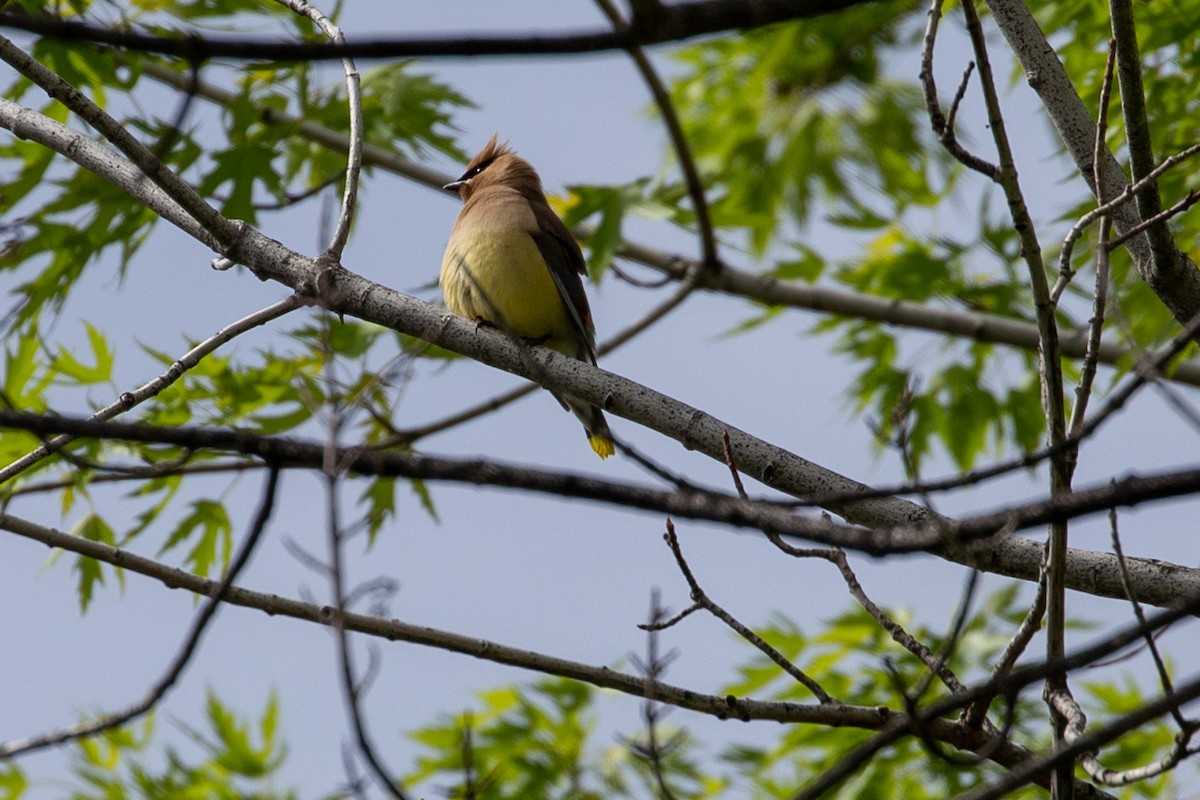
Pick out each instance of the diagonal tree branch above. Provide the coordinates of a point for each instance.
(345, 292)
(179, 663)
(731, 280)
(892, 725)
(1154, 582)
(1165, 255)
(1176, 282)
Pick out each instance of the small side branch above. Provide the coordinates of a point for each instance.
(187, 361)
(683, 150)
(943, 125)
(178, 664)
(701, 600)
(354, 97)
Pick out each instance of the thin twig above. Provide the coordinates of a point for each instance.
(1188, 200)
(1099, 148)
(182, 658)
(351, 689)
(1083, 391)
(733, 470)
(899, 635)
(1179, 403)
(683, 150)
(1076, 729)
(1147, 369)
(43, 487)
(653, 751)
(837, 557)
(1104, 209)
(702, 599)
(187, 361)
(943, 127)
(171, 135)
(1164, 676)
(1137, 137)
(950, 642)
(873, 718)
(354, 98)
(976, 713)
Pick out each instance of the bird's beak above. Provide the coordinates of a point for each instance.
(454, 186)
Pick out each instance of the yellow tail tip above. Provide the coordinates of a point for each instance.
(603, 447)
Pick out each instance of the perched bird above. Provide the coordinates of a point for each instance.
(512, 263)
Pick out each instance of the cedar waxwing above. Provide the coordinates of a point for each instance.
(512, 263)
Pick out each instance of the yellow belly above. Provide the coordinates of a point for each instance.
(499, 276)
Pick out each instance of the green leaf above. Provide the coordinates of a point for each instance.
(421, 490)
(807, 267)
(610, 204)
(95, 529)
(211, 521)
(380, 499)
(12, 782)
(99, 372)
(238, 169)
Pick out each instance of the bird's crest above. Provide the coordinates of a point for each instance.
(490, 152)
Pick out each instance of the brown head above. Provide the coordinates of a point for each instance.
(497, 164)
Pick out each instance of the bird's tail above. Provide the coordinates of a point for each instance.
(598, 434)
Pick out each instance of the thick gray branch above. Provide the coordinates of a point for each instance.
(1176, 281)
(345, 292)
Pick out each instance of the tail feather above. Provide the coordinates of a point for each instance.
(602, 445)
(598, 434)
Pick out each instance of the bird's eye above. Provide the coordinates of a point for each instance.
(473, 171)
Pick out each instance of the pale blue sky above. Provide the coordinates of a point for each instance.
(568, 578)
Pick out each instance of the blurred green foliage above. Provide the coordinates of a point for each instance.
(796, 128)
(543, 739)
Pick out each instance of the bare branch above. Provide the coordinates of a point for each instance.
(59, 484)
(1178, 287)
(1164, 676)
(1083, 391)
(1050, 369)
(975, 714)
(943, 127)
(654, 751)
(1156, 582)
(1165, 255)
(1077, 230)
(1178, 208)
(892, 724)
(675, 22)
(351, 688)
(354, 99)
(743, 283)
(343, 291)
(1065, 273)
(894, 629)
(191, 358)
(216, 595)
(701, 599)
